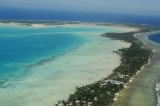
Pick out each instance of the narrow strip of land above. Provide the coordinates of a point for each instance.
(141, 92)
(101, 93)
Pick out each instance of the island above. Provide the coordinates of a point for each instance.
(105, 91)
(133, 59)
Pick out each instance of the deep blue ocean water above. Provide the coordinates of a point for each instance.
(155, 38)
(37, 14)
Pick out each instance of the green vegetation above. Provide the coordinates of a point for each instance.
(101, 93)
(134, 57)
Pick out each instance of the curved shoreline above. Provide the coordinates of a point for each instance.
(111, 82)
(35, 90)
(120, 76)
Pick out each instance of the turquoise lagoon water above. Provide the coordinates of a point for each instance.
(22, 47)
(40, 65)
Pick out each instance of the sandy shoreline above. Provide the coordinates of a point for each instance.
(141, 90)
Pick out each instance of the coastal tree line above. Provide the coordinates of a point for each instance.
(102, 93)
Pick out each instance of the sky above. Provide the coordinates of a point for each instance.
(112, 6)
